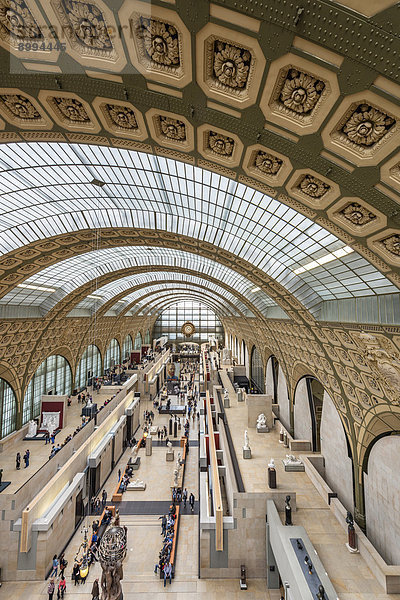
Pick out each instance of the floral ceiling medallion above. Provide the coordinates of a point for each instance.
(17, 22)
(173, 129)
(122, 116)
(160, 41)
(231, 65)
(392, 244)
(22, 110)
(71, 109)
(297, 94)
(267, 163)
(312, 186)
(357, 214)
(363, 129)
(86, 27)
(367, 125)
(221, 145)
(19, 106)
(301, 92)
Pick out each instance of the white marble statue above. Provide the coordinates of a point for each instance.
(169, 446)
(226, 394)
(178, 462)
(32, 429)
(135, 451)
(137, 482)
(50, 421)
(225, 354)
(292, 458)
(271, 464)
(176, 475)
(261, 420)
(246, 441)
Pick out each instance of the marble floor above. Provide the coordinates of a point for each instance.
(349, 573)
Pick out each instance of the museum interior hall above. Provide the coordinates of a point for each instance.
(199, 299)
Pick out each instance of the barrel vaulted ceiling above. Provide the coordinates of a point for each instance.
(255, 143)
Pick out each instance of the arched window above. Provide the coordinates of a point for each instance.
(8, 408)
(138, 341)
(147, 338)
(113, 354)
(127, 347)
(89, 366)
(54, 375)
(257, 371)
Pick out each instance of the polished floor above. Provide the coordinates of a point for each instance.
(348, 573)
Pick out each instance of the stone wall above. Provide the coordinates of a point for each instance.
(283, 399)
(302, 415)
(338, 465)
(382, 498)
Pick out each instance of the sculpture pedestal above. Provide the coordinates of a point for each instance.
(352, 543)
(149, 445)
(246, 452)
(134, 464)
(227, 402)
(262, 429)
(169, 456)
(271, 478)
(293, 465)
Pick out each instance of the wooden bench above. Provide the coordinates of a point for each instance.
(102, 526)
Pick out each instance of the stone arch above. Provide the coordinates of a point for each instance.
(382, 493)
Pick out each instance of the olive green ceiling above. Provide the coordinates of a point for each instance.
(351, 53)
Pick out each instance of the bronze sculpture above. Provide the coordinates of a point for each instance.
(112, 552)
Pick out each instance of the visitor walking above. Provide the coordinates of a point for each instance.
(18, 461)
(50, 589)
(26, 458)
(163, 524)
(167, 573)
(62, 587)
(55, 566)
(184, 497)
(191, 501)
(95, 590)
(104, 498)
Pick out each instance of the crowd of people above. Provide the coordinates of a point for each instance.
(168, 532)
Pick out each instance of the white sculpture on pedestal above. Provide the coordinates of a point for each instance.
(246, 441)
(261, 421)
(176, 475)
(178, 462)
(32, 429)
(271, 464)
(50, 421)
(135, 451)
(169, 446)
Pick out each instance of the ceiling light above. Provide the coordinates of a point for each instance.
(35, 287)
(123, 301)
(324, 259)
(256, 289)
(98, 183)
(95, 297)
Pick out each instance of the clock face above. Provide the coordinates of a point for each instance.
(188, 329)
